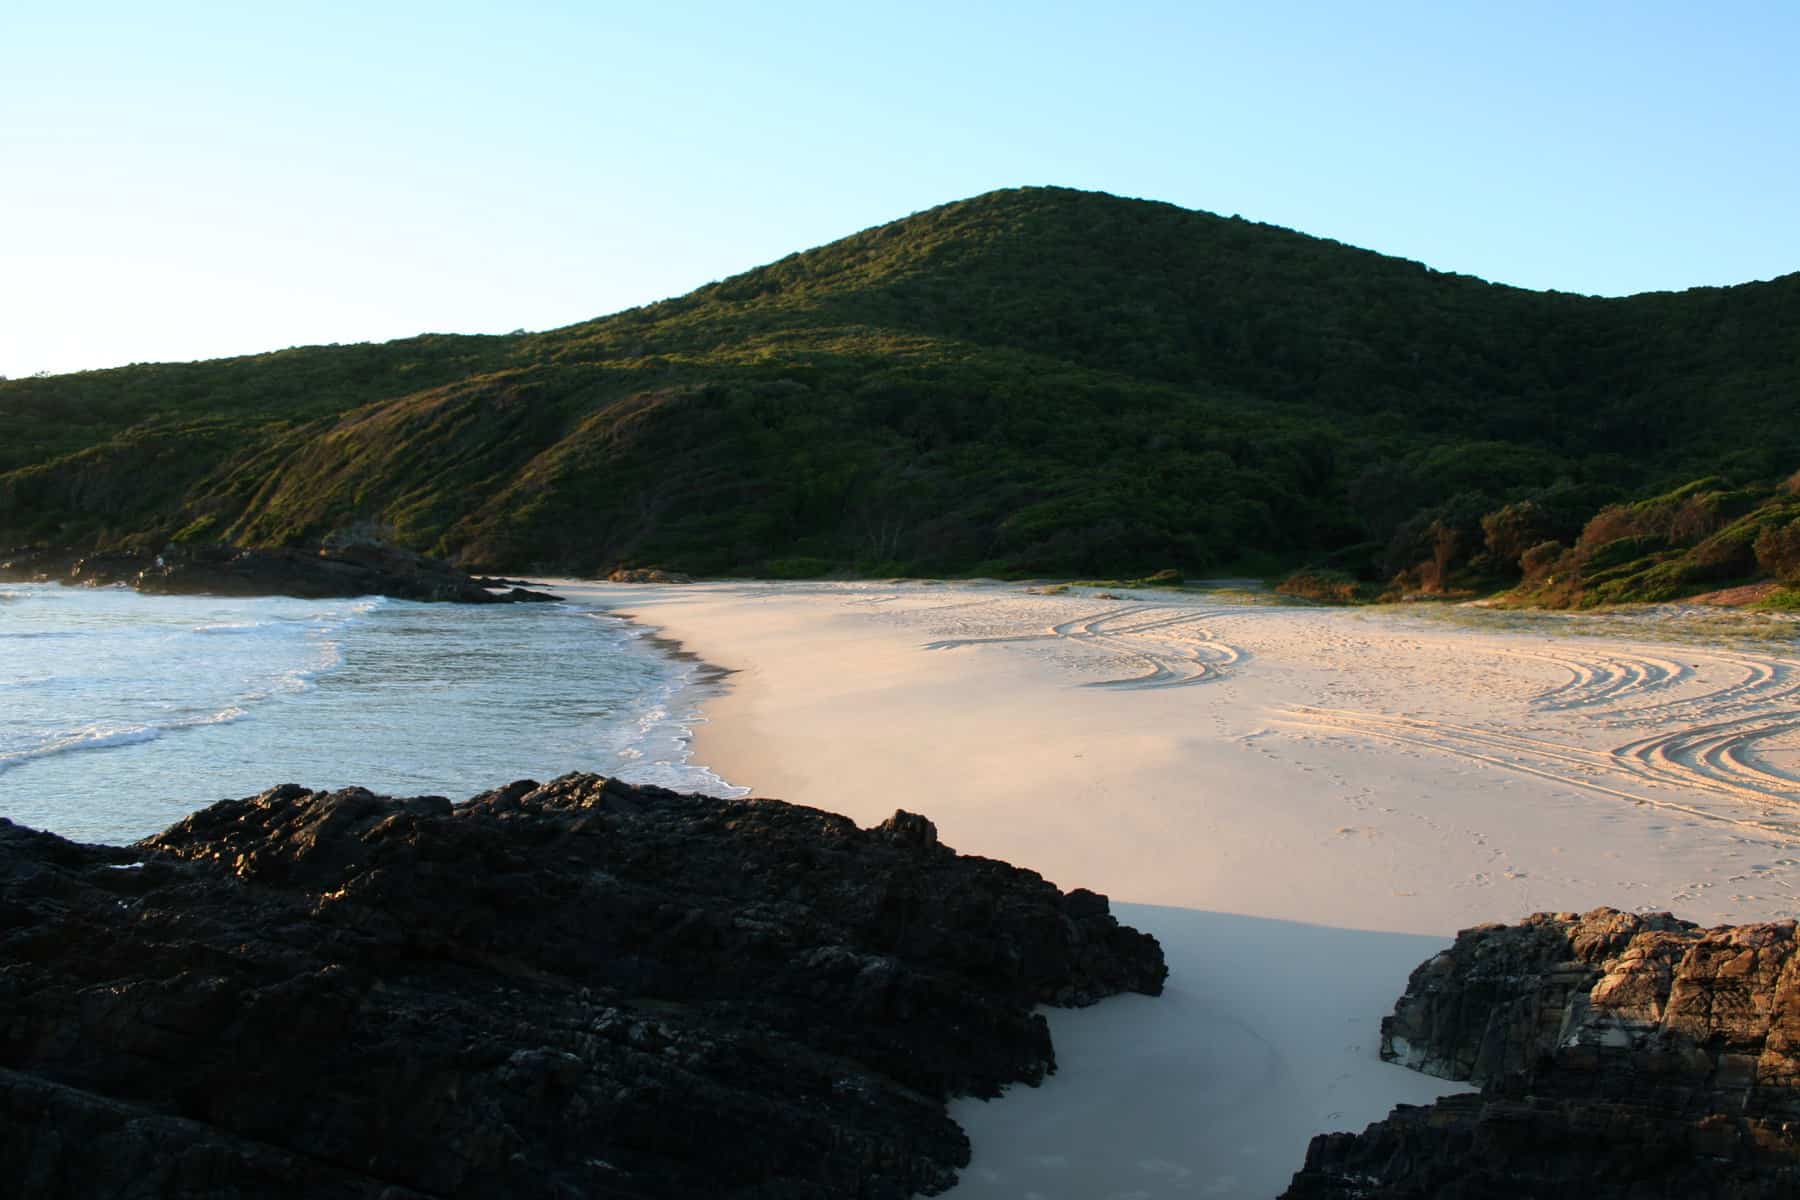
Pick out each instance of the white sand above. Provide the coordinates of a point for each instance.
(1318, 799)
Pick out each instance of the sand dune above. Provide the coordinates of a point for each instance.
(1320, 778)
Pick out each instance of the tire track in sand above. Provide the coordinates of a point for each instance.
(1170, 645)
(1605, 680)
(1711, 762)
(1610, 684)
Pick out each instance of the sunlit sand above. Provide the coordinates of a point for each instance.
(1314, 800)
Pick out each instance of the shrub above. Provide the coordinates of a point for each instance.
(1618, 521)
(1321, 584)
(1510, 531)
(1724, 555)
(1703, 514)
(1652, 585)
(1540, 561)
(200, 529)
(1778, 551)
(1618, 551)
(1695, 519)
(1434, 576)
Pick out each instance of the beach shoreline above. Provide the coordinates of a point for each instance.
(1302, 804)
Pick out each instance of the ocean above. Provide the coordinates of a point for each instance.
(120, 713)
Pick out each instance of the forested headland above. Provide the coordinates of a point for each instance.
(1035, 382)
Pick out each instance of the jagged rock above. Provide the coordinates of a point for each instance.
(343, 568)
(30, 564)
(1619, 1055)
(647, 575)
(576, 989)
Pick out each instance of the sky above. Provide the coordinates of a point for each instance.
(186, 180)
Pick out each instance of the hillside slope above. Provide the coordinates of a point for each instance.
(1036, 380)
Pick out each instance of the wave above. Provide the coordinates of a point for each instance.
(509, 693)
(364, 607)
(113, 736)
(657, 747)
(94, 738)
(327, 657)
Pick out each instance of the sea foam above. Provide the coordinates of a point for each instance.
(144, 708)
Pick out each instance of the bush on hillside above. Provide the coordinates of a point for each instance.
(1617, 522)
(1727, 554)
(1538, 563)
(1778, 551)
(1321, 585)
(1512, 530)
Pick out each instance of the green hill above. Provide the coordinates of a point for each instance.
(1032, 381)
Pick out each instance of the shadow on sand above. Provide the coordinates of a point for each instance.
(1268, 1034)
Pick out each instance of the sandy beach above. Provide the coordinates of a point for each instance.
(1301, 803)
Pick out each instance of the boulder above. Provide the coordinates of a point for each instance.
(337, 569)
(581, 988)
(1618, 1055)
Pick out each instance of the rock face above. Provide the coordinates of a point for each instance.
(1619, 1056)
(353, 569)
(576, 989)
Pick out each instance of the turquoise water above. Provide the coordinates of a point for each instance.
(121, 713)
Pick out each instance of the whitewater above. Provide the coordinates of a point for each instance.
(120, 713)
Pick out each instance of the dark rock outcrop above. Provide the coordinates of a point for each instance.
(577, 989)
(334, 570)
(1619, 1055)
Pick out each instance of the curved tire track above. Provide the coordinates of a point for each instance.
(1709, 760)
(1169, 644)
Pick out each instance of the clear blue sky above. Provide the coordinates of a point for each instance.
(189, 180)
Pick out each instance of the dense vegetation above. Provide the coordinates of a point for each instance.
(1033, 381)
(1697, 538)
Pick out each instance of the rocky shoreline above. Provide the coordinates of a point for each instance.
(335, 569)
(576, 989)
(592, 989)
(1618, 1055)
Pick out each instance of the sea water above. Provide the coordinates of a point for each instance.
(120, 713)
